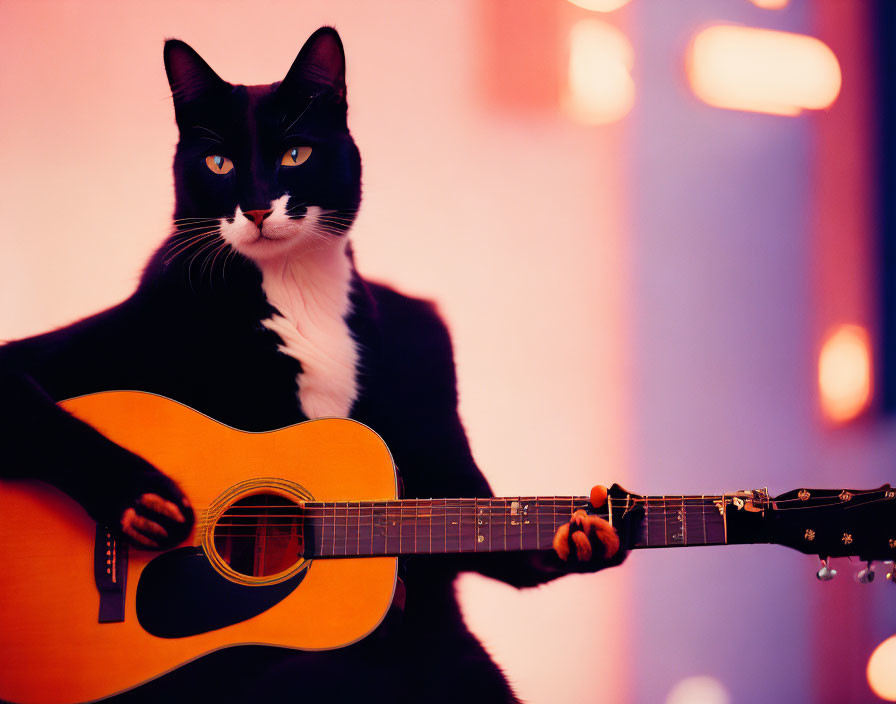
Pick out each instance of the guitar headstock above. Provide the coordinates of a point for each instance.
(835, 523)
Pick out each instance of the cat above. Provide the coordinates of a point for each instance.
(253, 312)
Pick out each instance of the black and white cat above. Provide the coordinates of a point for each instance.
(252, 312)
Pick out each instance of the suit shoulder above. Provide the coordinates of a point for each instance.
(97, 329)
(395, 307)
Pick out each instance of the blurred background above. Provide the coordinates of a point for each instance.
(662, 236)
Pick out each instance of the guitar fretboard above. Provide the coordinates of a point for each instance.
(430, 526)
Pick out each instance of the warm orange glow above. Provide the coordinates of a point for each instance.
(882, 670)
(601, 5)
(600, 88)
(760, 70)
(844, 373)
(770, 4)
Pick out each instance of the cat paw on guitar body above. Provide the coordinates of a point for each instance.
(116, 487)
(588, 542)
(152, 510)
(155, 523)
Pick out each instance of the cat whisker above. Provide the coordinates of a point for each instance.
(336, 218)
(336, 221)
(188, 230)
(192, 240)
(193, 259)
(207, 261)
(332, 227)
(211, 268)
(231, 255)
(343, 226)
(192, 234)
(325, 227)
(181, 226)
(180, 247)
(211, 132)
(289, 127)
(172, 252)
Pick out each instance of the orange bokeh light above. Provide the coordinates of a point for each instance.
(600, 5)
(760, 70)
(770, 4)
(882, 670)
(600, 88)
(844, 373)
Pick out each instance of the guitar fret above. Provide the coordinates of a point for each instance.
(468, 526)
(427, 526)
(703, 516)
(671, 521)
(695, 521)
(452, 526)
(646, 526)
(537, 524)
(423, 526)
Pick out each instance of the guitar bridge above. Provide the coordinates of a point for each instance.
(110, 572)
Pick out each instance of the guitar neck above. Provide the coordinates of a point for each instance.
(434, 526)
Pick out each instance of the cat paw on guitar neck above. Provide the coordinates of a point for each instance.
(589, 541)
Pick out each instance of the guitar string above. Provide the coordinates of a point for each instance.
(464, 518)
(336, 522)
(410, 510)
(407, 511)
(509, 519)
(437, 521)
(809, 503)
(465, 521)
(364, 520)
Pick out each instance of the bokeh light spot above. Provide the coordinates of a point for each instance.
(760, 70)
(600, 5)
(882, 670)
(600, 88)
(770, 4)
(844, 373)
(700, 689)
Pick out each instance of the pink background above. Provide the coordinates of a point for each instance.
(510, 222)
(641, 302)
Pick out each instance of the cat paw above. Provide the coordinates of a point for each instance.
(588, 543)
(155, 522)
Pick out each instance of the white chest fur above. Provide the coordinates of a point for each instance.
(311, 293)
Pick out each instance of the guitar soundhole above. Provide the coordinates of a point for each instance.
(260, 535)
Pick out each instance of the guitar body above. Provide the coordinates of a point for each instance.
(52, 647)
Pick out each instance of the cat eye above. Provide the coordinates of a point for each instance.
(295, 156)
(219, 164)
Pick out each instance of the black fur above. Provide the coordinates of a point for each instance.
(196, 336)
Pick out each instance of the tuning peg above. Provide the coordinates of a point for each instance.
(891, 575)
(866, 576)
(825, 573)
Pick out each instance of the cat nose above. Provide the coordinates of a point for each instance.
(257, 216)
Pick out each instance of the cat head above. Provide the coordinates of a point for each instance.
(270, 170)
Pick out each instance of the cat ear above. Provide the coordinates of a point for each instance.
(188, 75)
(321, 60)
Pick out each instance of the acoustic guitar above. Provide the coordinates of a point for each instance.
(296, 544)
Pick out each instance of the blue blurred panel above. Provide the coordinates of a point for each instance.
(885, 25)
(724, 399)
